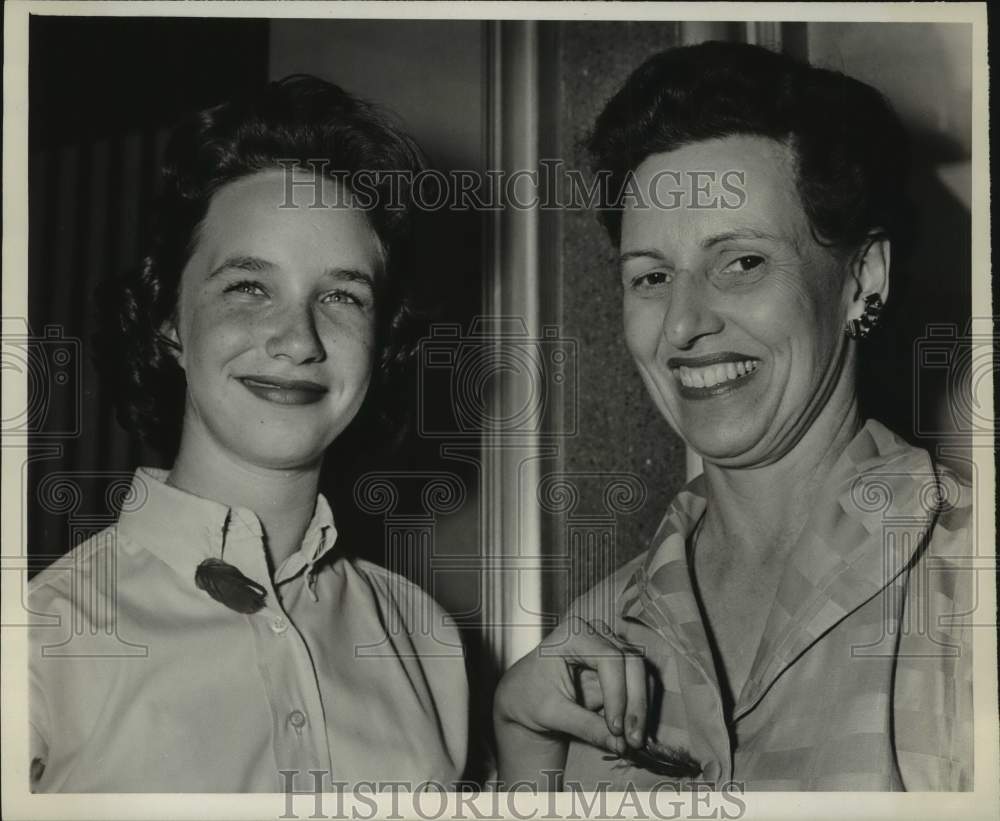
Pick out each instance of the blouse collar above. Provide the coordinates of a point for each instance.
(183, 530)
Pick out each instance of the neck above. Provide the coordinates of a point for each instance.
(765, 508)
(283, 500)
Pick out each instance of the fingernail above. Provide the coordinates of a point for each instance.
(632, 721)
(636, 738)
(616, 724)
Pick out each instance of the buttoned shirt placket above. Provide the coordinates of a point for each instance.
(300, 740)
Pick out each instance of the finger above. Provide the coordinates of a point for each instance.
(609, 661)
(637, 697)
(586, 646)
(634, 672)
(589, 692)
(578, 722)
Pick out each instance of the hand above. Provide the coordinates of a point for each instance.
(556, 690)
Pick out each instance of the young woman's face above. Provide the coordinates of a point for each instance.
(276, 322)
(733, 311)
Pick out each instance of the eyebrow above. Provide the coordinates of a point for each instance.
(243, 263)
(708, 242)
(351, 275)
(641, 253)
(739, 233)
(253, 264)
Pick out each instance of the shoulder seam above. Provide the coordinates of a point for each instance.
(83, 552)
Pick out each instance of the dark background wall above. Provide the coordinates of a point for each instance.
(103, 92)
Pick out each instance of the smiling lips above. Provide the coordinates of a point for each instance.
(712, 375)
(284, 391)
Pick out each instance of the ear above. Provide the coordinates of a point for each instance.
(171, 340)
(868, 273)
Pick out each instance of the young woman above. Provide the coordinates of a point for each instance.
(226, 643)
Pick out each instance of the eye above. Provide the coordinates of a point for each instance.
(649, 280)
(743, 265)
(246, 286)
(341, 298)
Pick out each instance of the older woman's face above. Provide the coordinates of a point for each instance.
(276, 322)
(733, 312)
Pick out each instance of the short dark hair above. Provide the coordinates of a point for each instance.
(850, 147)
(303, 119)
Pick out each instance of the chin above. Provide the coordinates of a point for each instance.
(720, 444)
(284, 455)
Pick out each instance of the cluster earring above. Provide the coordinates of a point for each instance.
(860, 328)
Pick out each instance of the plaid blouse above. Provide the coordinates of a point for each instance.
(863, 678)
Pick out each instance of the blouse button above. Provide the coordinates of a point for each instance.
(279, 625)
(297, 719)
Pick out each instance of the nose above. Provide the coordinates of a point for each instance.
(689, 315)
(292, 335)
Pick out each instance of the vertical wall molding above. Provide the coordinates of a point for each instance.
(512, 578)
(764, 33)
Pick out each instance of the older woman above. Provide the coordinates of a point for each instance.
(227, 641)
(796, 623)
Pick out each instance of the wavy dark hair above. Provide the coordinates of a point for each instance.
(851, 149)
(299, 119)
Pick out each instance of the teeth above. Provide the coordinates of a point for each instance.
(712, 375)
